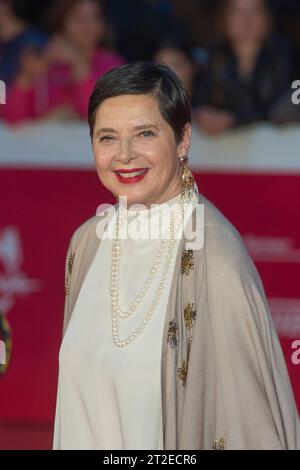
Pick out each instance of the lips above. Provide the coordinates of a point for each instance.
(132, 175)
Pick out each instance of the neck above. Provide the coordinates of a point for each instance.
(165, 197)
(247, 50)
(87, 52)
(247, 55)
(173, 191)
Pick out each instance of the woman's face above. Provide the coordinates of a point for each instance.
(246, 21)
(130, 133)
(84, 24)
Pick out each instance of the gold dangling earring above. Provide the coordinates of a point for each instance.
(187, 180)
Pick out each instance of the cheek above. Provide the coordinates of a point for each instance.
(98, 29)
(91, 30)
(164, 164)
(72, 28)
(160, 153)
(103, 160)
(260, 25)
(236, 22)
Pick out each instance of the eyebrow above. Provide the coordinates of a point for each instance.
(135, 128)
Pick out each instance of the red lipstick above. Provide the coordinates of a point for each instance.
(131, 179)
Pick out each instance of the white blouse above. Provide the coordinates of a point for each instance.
(109, 397)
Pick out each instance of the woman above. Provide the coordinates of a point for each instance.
(167, 343)
(178, 56)
(80, 29)
(57, 82)
(248, 73)
(16, 35)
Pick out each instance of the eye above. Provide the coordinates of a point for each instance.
(147, 133)
(106, 138)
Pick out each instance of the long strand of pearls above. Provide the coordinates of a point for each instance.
(115, 278)
(116, 312)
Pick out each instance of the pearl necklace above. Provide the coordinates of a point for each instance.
(116, 311)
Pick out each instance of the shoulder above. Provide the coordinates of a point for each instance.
(34, 37)
(216, 221)
(223, 245)
(278, 43)
(82, 230)
(224, 260)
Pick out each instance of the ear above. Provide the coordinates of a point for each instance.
(184, 146)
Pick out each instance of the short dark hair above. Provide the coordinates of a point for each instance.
(145, 77)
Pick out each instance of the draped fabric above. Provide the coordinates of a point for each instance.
(224, 381)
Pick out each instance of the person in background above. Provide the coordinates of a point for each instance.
(16, 36)
(79, 31)
(197, 18)
(177, 55)
(247, 75)
(58, 84)
(140, 25)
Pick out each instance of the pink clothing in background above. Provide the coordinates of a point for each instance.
(55, 89)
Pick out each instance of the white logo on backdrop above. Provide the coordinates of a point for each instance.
(272, 249)
(14, 282)
(286, 316)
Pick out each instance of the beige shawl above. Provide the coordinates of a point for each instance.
(224, 379)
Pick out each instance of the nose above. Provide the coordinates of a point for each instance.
(125, 153)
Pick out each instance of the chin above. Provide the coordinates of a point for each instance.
(133, 200)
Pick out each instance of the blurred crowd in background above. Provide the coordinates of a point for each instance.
(237, 58)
